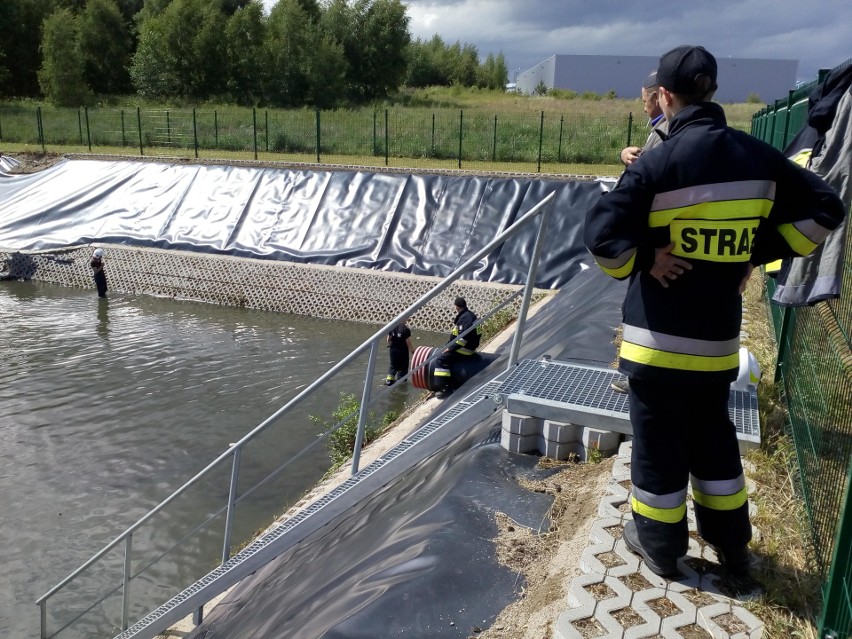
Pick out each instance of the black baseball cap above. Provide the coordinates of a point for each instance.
(681, 70)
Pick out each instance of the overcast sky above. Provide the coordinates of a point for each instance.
(817, 33)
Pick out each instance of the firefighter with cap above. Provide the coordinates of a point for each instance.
(463, 343)
(686, 225)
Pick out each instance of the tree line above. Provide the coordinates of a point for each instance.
(315, 53)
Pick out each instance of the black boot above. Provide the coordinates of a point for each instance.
(736, 561)
(662, 566)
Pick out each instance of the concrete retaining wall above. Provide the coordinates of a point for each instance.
(360, 295)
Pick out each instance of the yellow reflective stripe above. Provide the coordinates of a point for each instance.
(725, 210)
(773, 267)
(461, 341)
(618, 271)
(442, 373)
(802, 158)
(464, 351)
(679, 361)
(665, 515)
(714, 241)
(721, 502)
(796, 239)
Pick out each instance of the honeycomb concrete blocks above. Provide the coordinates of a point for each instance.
(331, 292)
(618, 597)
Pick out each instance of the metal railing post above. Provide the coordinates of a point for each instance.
(540, 140)
(254, 129)
(232, 501)
(125, 589)
(195, 132)
(365, 401)
(461, 134)
(319, 136)
(139, 125)
(528, 288)
(88, 130)
(43, 617)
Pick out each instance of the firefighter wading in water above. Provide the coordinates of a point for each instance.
(687, 224)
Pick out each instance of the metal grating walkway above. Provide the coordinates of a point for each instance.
(572, 393)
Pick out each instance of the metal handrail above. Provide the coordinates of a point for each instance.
(544, 208)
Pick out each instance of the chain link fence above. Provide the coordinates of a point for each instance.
(815, 374)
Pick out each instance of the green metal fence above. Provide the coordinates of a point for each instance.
(410, 137)
(815, 375)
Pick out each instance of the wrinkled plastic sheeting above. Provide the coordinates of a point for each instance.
(418, 559)
(420, 224)
(7, 164)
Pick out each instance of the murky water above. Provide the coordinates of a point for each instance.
(107, 406)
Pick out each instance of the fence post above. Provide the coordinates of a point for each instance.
(123, 136)
(319, 136)
(375, 133)
(433, 135)
(461, 129)
(139, 125)
(254, 128)
(387, 138)
(266, 127)
(80, 124)
(559, 148)
(540, 140)
(168, 128)
(195, 132)
(1, 129)
(88, 130)
(629, 128)
(494, 143)
(40, 125)
(216, 129)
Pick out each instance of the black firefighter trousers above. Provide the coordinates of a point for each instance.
(679, 430)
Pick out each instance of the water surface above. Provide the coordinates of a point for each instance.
(107, 406)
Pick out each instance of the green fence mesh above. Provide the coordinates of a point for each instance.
(815, 374)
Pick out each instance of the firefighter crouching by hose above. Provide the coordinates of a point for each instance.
(463, 346)
(687, 225)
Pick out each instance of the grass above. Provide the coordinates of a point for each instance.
(440, 127)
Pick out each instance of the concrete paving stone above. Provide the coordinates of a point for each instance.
(518, 443)
(705, 619)
(610, 506)
(565, 628)
(561, 432)
(631, 561)
(580, 597)
(589, 561)
(521, 424)
(755, 625)
(598, 535)
(640, 605)
(603, 614)
(688, 612)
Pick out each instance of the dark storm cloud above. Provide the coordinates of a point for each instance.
(530, 31)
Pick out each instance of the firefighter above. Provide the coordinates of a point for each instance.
(687, 225)
(461, 344)
(400, 349)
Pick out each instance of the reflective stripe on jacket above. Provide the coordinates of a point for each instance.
(724, 199)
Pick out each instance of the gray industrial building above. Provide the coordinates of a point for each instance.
(738, 77)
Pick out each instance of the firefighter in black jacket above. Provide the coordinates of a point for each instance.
(460, 345)
(687, 225)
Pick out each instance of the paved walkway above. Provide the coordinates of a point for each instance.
(618, 597)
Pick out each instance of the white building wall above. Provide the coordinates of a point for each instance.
(738, 77)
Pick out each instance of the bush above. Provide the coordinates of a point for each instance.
(753, 98)
(343, 428)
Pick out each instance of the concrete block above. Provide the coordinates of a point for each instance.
(519, 443)
(521, 424)
(561, 432)
(606, 441)
(556, 450)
